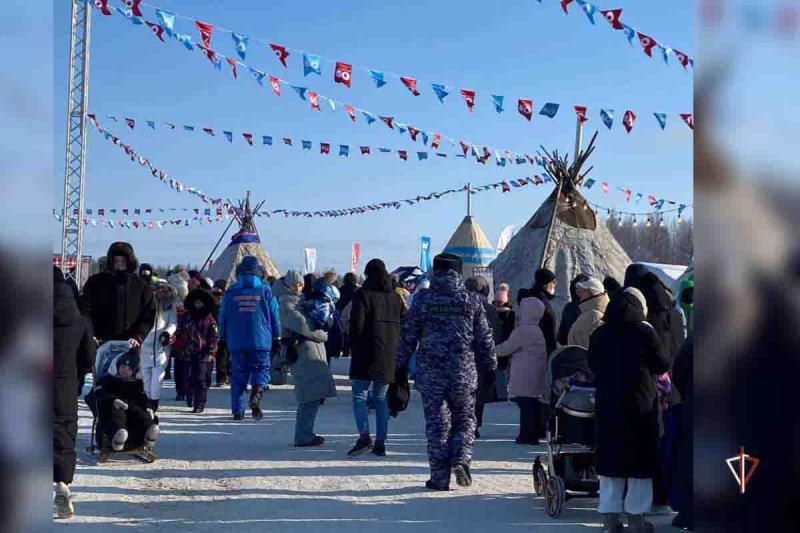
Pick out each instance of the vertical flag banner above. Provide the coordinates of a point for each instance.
(311, 64)
(469, 97)
(425, 262)
(525, 108)
(309, 260)
(355, 257)
(343, 73)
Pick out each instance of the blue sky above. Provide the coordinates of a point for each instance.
(523, 49)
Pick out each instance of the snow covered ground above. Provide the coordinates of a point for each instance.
(214, 474)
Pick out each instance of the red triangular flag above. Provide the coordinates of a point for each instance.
(413, 132)
(628, 193)
(276, 85)
(134, 7)
(324, 148)
(102, 5)
(647, 42)
(350, 111)
(683, 59)
(613, 17)
(232, 63)
(281, 52)
(538, 179)
(469, 97)
(388, 121)
(581, 112)
(343, 73)
(248, 137)
(209, 131)
(205, 30)
(210, 54)
(130, 122)
(157, 30)
(525, 108)
(464, 147)
(437, 139)
(505, 186)
(313, 100)
(564, 4)
(403, 155)
(688, 118)
(411, 83)
(628, 120)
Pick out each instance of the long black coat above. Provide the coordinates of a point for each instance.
(625, 354)
(548, 322)
(73, 355)
(375, 319)
(507, 317)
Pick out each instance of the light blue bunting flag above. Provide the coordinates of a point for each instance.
(384, 150)
(630, 33)
(639, 196)
(241, 42)
(440, 91)
(167, 21)
(659, 204)
(548, 178)
(228, 135)
(424, 138)
(185, 40)
(377, 75)
(306, 145)
(498, 103)
(266, 140)
(549, 109)
(151, 124)
(332, 104)
(588, 183)
(589, 9)
(258, 75)
(369, 116)
(662, 119)
(130, 16)
(422, 155)
(666, 51)
(681, 208)
(311, 64)
(344, 150)
(301, 91)
(188, 128)
(607, 115)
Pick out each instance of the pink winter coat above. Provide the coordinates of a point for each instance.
(527, 350)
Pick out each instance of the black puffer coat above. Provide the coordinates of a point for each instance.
(73, 355)
(375, 320)
(625, 354)
(571, 311)
(120, 305)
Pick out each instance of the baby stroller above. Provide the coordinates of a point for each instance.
(569, 464)
(107, 357)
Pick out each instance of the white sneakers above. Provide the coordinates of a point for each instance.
(120, 438)
(63, 501)
(151, 435)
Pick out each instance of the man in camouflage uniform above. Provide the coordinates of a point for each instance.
(447, 327)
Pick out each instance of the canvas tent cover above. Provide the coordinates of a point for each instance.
(242, 244)
(471, 245)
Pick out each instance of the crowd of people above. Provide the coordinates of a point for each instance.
(462, 342)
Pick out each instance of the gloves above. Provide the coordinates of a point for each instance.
(165, 338)
(276, 345)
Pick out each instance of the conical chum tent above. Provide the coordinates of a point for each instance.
(243, 243)
(470, 243)
(568, 240)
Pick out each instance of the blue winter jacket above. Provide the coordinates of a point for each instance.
(248, 316)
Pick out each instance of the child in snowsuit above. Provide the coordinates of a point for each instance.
(198, 338)
(155, 348)
(321, 305)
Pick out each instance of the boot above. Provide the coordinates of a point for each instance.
(363, 445)
(63, 501)
(119, 440)
(612, 523)
(463, 475)
(637, 524)
(379, 448)
(255, 401)
(151, 435)
(430, 484)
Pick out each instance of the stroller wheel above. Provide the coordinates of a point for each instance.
(554, 496)
(539, 477)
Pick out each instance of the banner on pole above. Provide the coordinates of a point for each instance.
(309, 260)
(355, 257)
(425, 254)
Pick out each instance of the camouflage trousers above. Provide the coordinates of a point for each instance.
(450, 429)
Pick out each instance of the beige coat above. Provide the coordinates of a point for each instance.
(528, 352)
(592, 311)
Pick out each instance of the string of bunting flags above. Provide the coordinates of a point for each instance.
(648, 43)
(343, 74)
(504, 185)
(325, 148)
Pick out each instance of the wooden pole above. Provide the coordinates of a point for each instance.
(469, 199)
(233, 219)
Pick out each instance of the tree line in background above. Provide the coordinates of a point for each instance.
(653, 240)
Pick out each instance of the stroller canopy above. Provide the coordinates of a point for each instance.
(564, 362)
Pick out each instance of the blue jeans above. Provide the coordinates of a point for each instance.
(250, 366)
(304, 423)
(361, 410)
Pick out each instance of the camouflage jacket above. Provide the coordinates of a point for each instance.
(447, 327)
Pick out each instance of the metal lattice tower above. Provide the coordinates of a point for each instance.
(77, 103)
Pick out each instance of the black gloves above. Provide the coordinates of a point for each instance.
(165, 338)
(276, 345)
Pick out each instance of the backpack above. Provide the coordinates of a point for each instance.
(399, 394)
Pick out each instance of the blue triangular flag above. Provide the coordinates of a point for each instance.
(607, 115)
(151, 124)
(266, 139)
(630, 33)
(548, 178)
(311, 64)
(384, 150)
(344, 150)
(400, 127)
(422, 155)
(588, 183)
(659, 204)
(639, 196)
(440, 91)
(369, 116)
(241, 42)
(188, 128)
(549, 109)
(589, 9)
(130, 16)
(331, 103)
(424, 138)
(377, 75)
(167, 21)
(259, 76)
(498, 103)
(662, 119)
(186, 40)
(681, 208)
(301, 91)
(666, 51)
(228, 135)
(306, 145)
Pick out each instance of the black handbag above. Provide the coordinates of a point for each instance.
(292, 345)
